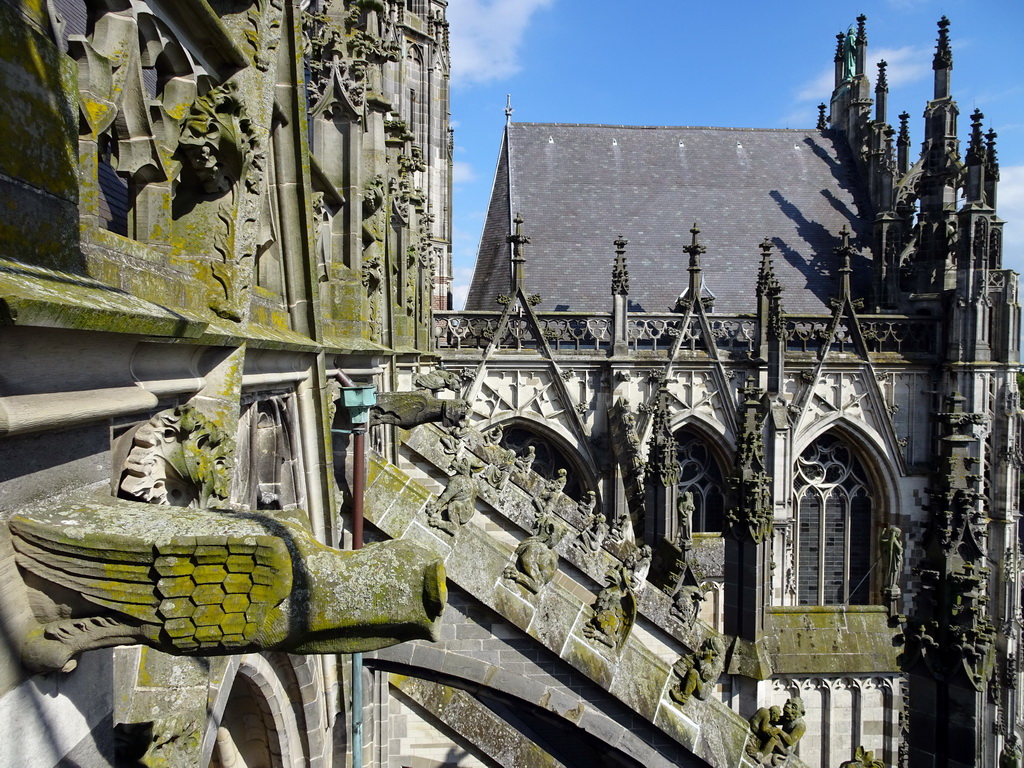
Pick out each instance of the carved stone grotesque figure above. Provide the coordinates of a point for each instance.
(614, 610)
(686, 603)
(552, 490)
(497, 473)
(454, 508)
(210, 582)
(774, 734)
(435, 381)
(697, 673)
(524, 463)
(638, 563)
(1010, 757)
(536, 560)
(595, 527)
(451, 438)
(410, 409)
(864, 758)
(217, 138)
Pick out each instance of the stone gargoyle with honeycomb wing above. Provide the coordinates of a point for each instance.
(211, 582)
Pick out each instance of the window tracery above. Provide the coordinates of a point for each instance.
(834, 504)
(700, 475)
(548, 459)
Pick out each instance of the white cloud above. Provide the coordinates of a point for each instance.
(460, 286)
(485, 37)
(819, 88)
(906, 65)
(1010, 207)
(462, 172)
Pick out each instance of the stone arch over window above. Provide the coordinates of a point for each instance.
(837, 503)
(550, 455)
(701, 473)
(263, 722)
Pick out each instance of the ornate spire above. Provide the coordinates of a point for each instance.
(844, 250)
(508, 109)
(768, 287)
(943, 53)
(976, 150)
(990, 147)
(881, 93)
(695, 249)
(903, 139)
(620, 274)
(767, 283)
(662, 461)
(862, 34)
(822, 125)
(517, 240)
(840, 45)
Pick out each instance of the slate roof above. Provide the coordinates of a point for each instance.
(579, 187)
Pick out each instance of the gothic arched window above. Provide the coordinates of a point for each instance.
(548, 458)
(834, 514)
(700, 474)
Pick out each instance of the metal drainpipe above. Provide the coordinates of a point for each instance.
(358, 407)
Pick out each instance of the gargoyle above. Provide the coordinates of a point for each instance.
(410, 409)
(212, 582)
(438, 379)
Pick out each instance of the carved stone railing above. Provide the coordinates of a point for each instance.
(883, 334)
(563, 331)
(566, 331)
(735, 336)
(901, 336)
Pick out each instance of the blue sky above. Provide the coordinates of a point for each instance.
(742, 63)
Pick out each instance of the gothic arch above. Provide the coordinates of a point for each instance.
(254, 717)
(839, 507)
(871, 449)
(563, 454)
(704, 462)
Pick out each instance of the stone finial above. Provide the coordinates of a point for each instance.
(517, 240)
(840, 46)
(903, 138)
(695, 249)
(976, 150)
(943, 53)
(862, 34)
(767, 283)
(508, 109)
(990, 148)
(883, 82)
(620, 274)
(822, 124)
(844, 250)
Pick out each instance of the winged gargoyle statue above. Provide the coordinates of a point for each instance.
(211, 582)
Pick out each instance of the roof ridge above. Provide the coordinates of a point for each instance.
(664, 127)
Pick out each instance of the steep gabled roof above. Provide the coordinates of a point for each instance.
(580, 186)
